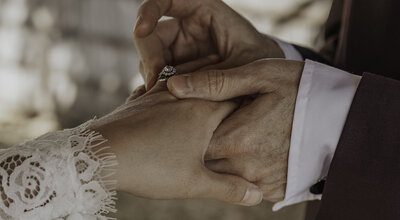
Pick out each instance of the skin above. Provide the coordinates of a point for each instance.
(160, 143)
(254, 141)
(209, 39)
(203, 34)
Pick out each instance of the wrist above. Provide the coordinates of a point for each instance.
(110, 147)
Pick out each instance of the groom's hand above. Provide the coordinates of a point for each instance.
(254, 141)
(160, 143)
(203, 33)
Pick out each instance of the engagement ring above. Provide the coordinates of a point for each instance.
(166, 73)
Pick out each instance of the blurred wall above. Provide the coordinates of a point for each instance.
(63, 62)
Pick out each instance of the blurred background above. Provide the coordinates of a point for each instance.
(63, 62)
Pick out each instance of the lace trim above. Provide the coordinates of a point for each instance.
(60, 175)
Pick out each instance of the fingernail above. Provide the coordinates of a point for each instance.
(139, 21)
(252, 197)
(181, 84)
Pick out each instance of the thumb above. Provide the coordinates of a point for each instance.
(217, 85)
(229, 189)
(150, 11)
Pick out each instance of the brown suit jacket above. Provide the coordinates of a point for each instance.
(364, 177)
(364, 36)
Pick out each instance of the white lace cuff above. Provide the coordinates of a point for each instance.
(60, 175)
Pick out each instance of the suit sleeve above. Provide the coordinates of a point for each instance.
(311, 55)
(364, 176)
(331, 36)
(322, 104)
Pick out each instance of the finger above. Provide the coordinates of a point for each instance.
(141, 70)
(152, 10)
(152, 59)
(242, 129)
(221, 111)
(158, 87)
(224, 166)
(151, 78)
(139, 91)
(145, 74)
(179, 46)
(195, 65)
(246, 167)
(220, 85)
(154, 50)
(228, 188)
(226, 64)
(149, 12)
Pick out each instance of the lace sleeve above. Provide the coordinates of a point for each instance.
(60, 175)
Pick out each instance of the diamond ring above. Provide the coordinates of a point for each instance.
(166, 73)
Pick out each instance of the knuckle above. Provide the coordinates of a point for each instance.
(251, 173)
(216, 82)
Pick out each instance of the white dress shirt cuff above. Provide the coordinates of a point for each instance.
(323, 101)
(288, 50)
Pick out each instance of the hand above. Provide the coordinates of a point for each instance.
(160, 144)
(254, 141)
(203, 33)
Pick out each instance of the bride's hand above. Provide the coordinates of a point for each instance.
(203, 33)
(160, 143)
